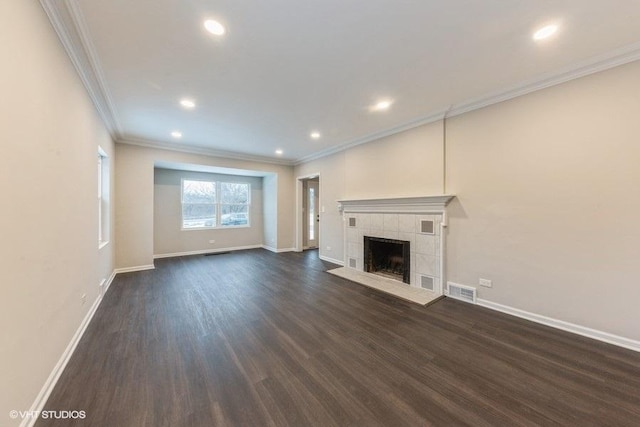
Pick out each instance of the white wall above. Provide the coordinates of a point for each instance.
(270, 210)
(170, 238)
(547, 197)
(135, 189)
(48, 165)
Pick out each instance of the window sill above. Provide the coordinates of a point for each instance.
(226, 227)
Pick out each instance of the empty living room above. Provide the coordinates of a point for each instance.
(381, 213)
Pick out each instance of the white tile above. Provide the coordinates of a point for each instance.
(390, 234)
(408, 237)
(353, 235)
(354, 250)
(376, 221)
(406, 223)
(390, 222)
(364, 221)
(427, 264)
(426, 244)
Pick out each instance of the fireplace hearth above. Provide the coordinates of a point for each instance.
(387, 257)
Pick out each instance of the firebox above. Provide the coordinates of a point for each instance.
(387, 257)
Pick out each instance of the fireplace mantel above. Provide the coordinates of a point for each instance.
(422, 204)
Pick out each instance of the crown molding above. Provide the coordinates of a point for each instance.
(67, 20)
(596, 64)
(204, 151)
(431, 118)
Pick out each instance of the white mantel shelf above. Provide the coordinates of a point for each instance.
(422, 204)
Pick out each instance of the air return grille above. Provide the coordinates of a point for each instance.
(352, 263)
(426, 226)
(426, 282)
(352, 222)
(461, 292)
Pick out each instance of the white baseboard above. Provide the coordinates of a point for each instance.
(206, 251)
(136, 268)
(49, 385)
(276, 250)
(109, 282)
(332, 260)
(565, 326)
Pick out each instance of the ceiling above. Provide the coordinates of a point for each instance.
(285, 68)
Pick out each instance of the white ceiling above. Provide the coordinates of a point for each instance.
(287, 67)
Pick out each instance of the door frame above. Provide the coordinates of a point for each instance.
(299, 190)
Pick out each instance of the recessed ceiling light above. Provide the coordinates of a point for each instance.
(545, 32)
(382, 105)
(188, 103)
(176, 134)
(315, 135)
(214, 27)
(279, 152)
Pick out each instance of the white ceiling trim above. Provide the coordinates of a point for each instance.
(372, 137)
(190, 149)
(66, 19)
(621, 56)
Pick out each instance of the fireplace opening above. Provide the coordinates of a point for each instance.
(387, 257)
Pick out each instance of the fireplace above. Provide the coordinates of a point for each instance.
(388, 258)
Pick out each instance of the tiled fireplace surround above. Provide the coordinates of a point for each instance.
(400, 219)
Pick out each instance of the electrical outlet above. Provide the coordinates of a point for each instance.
(212, 241)
(83, 298)
(486, 283)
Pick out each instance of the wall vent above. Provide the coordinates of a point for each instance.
(352, 222)
(426, 282)
(461, 292)
(426, 226)
(353, 263)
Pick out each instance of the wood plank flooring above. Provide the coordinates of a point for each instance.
(253, 338)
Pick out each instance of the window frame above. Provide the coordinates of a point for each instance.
(104, 217)
(217, 205)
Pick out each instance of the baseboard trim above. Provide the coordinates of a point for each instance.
(206, 251)
(332, 260)
(565, 326)
(51, 382)
(276, 250)
(109, 282)
(136, 268)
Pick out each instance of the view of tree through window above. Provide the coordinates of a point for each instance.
(207, 204)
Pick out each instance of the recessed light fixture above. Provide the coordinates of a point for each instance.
(176, 134)
(545, 32)
(279, 152)
(189, 104)
(382, 105)
(214, 27)
(315, 135)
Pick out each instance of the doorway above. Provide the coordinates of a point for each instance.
(308, 210)
(311, 213)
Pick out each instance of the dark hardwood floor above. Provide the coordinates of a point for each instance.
(253, 338)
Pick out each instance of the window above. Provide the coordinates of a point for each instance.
(103, 198)
(207, 204)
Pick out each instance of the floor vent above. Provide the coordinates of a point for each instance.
(352, 262)
(461, 292)
(426, 282)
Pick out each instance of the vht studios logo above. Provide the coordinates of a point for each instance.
(51, 415)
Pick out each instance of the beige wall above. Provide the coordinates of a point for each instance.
(168, 235)
(49, 228)
(135, 189)
(547, 197)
